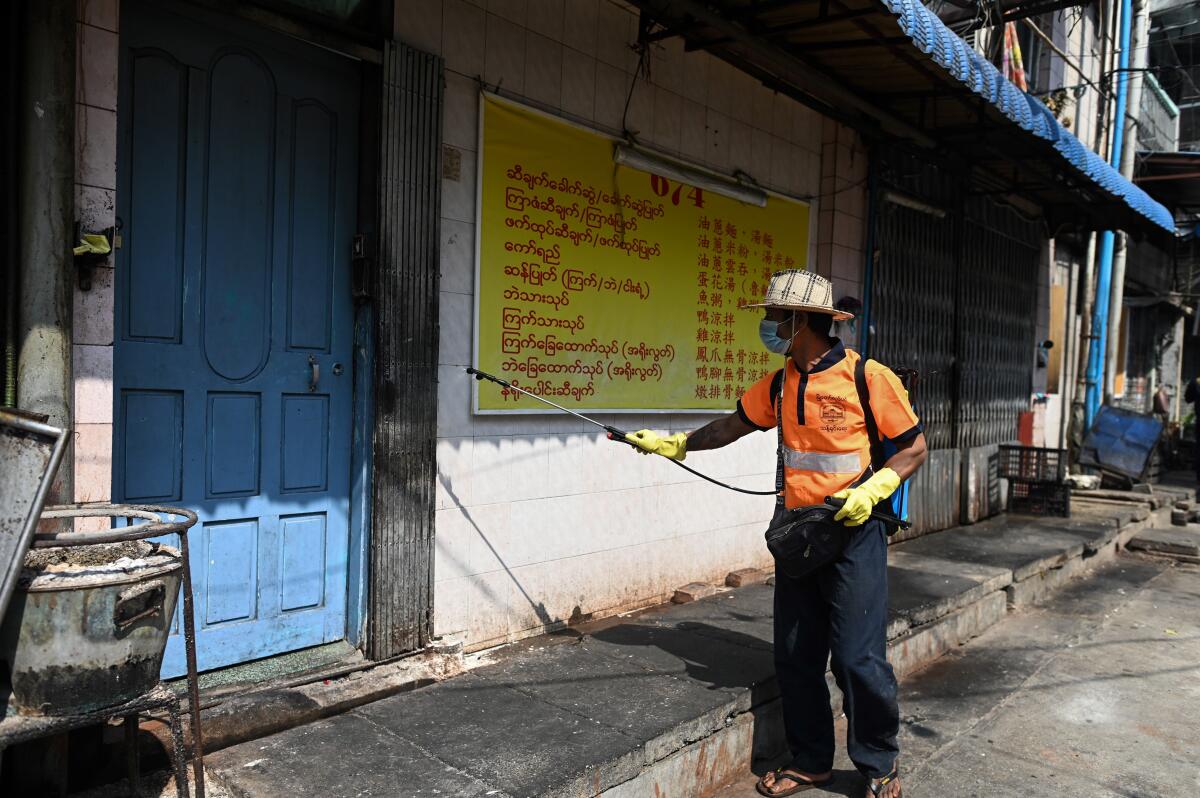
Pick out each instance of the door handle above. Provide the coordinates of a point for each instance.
(314, 373)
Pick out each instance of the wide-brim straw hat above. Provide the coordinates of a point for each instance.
(796, 289)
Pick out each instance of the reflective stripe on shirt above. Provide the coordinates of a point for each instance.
(822, 462)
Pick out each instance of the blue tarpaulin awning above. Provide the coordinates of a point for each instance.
(892, 69)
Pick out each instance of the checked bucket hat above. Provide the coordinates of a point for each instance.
(796, 289)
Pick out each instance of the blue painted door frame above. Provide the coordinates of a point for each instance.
(234, 355)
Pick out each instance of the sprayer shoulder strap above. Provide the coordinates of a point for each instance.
(777, 397)
(776, 386)
(864, 399)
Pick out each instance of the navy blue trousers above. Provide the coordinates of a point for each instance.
(838, 614)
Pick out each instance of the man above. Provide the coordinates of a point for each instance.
(840, 609)
(1192, 394)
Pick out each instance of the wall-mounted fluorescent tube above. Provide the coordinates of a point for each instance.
(904, 200)
(642, 160)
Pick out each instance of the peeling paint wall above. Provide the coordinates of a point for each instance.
(539, 519)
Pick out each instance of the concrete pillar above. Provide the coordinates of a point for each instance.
(46, 199)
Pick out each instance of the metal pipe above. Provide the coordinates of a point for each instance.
(46, 202)
(1099, 136)
(1103, 114)
(864, 324)
(1139, 47)
(1079, 397)
(1099, 343)
(9, 252)
(1071, 338)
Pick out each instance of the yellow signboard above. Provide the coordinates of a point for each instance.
(604, 287)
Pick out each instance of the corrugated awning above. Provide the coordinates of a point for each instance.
(891, 68)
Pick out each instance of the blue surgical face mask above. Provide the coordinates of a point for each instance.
(768, 331)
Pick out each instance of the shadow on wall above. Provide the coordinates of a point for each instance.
(539, 608)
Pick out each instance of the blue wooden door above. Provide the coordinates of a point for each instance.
(236, 191)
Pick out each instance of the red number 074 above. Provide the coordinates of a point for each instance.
(662, 187)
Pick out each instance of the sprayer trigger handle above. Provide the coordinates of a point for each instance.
(617, 435)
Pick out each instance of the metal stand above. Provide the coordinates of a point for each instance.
(17, 729)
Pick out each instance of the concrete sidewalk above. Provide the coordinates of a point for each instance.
(673, 701)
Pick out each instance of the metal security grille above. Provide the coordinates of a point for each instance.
(406, 290)
(996, 318)
(912, 299)
(953, 289)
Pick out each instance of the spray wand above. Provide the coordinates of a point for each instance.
(615, 434)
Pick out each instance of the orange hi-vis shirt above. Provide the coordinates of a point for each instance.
(826, 446)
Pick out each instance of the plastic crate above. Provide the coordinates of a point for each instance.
(1034, 498)
(1033, 464)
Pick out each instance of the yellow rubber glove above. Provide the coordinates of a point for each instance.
(672, 446)
(861, 501)
(92, 244)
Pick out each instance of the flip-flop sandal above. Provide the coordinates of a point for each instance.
(801, 784)
(876, 785)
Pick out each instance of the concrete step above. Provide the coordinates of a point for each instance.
(1182, 543)
(675, 700)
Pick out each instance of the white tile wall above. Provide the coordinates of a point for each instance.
(96, 146)
(95, 181)
(455, 315)
(93, 371)
(463, 26)
(578, 84)
(541, 516)
(458, 196)
(96, 81)
(93, 319)
(543, 69)
(546, 17)
(512, 10)
(504, 56)
(579, 25)
(93, 462)
(695, 75)
(612, 86)
(458, 256)
(460, 121)
(668, 118)
(100, 13)
(667, 63)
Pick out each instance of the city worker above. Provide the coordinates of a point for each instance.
(841, 608)
(1192, 394)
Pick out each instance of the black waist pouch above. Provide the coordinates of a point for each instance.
(804, 539)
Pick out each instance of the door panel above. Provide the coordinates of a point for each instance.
(236, 175)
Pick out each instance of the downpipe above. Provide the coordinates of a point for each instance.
(1099, 342)
(1139, 46)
